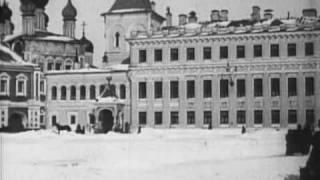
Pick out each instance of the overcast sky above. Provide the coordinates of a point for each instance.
(90, 10)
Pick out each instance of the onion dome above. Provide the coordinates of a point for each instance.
(40, 3)
(69, 12)
(88, 46)
(27, 7)
(6, 11)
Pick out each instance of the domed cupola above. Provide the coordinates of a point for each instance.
(40, 3)
(6, 11)
(88, 46)
(27, 7)
(69, 12)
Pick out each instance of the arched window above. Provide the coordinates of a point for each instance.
(54, 93)
(4, 84)
(68, 65)
(63, 93)
(122, 91)
(73, 93)
(92, 92)
(117, 39)
(82, 92)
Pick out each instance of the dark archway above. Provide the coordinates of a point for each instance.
(15, 123)
(106, 119)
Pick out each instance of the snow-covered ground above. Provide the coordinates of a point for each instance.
(188, 154)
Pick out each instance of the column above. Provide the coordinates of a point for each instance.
(166, 101)
(134, 104)
(284, 100)
(216, 100)
(266, 101)
(250, 100)
(183, 102)
(199, 101)
(150, 103)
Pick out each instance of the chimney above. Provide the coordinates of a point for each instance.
(169, 17)
(153, 5)
(193, 17)
(215, 15)
(268, 14)
(224, 15)
(182, 19)
(309, 12)
(255, 16)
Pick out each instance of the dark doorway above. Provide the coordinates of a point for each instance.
(106, 119)
(15, 123)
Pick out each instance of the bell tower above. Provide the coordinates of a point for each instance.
(123, 18)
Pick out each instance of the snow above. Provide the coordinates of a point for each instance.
(16, 58)
(56, 38)
(155, 154)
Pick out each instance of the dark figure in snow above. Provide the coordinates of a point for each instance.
(243, 130)
(294, 140)
(139, 129)
(78, 129)
(312, 169)
(62, 128)
(210, 125)
(126, 128)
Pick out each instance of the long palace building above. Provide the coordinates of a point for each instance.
(260, 72)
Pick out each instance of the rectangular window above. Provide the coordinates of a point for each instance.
(190, 89)
(142, 118)
(309, 86)
(50, 66)
(292, 86)
(174, 89)
(190, 54)
(174, 54)
(157, 118)
(158, 55)
(142, 56)
(207, 53)
(191, 117)
(207, 88)
(310, 118)
(58, 66)
(275, 116)
(224, 117)
(241, 88)
(207, 117)
(241, 117)
(157, 89)
(3, 86)
(257, 50)
(275, 87)
(258, 88)
(258, 117)
(174, 117)
(292, 116)
(20, 86)
(224, 52)
(241, 52)
(309, 49)
(73, 120)
(224, 88)
(42, 86)
(142, 90)
(274, 50)
(292, 49)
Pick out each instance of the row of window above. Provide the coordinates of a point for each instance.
(224, 117)
(224, 52)
(224, 88)
(83, 92)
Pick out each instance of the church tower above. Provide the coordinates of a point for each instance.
(6, 26)
(28, 18)
(123, 18)
(40, 15)
(69, 14)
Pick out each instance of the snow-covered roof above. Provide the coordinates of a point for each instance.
(56, 38)
(8, 57)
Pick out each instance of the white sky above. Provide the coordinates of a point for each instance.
(90, 10)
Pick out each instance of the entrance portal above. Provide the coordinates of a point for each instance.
(15, 123)
(106, 120)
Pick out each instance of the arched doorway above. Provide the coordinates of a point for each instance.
(15, 123)
(106, 120)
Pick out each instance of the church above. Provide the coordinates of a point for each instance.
(260, 71)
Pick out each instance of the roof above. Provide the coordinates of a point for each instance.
(8, 57)
(131, 4)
